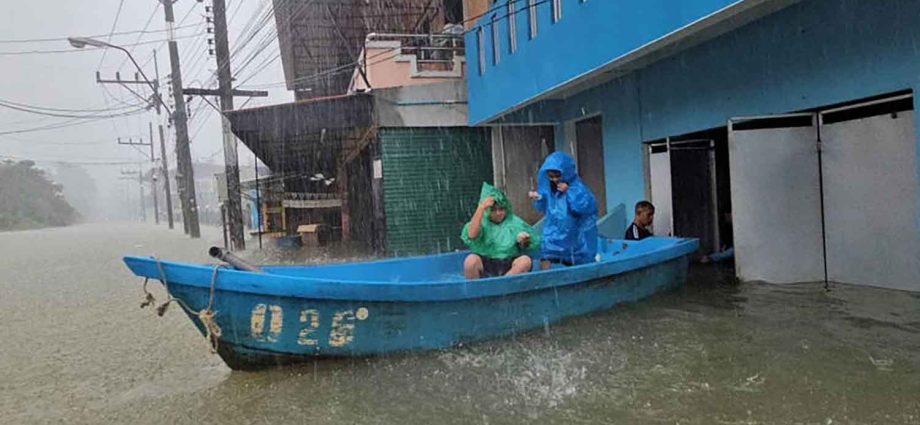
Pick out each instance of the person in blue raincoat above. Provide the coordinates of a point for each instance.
(570, 210)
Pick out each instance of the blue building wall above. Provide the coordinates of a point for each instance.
(812, 54)
(590, 34)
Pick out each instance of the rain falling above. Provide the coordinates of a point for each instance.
(460, 211)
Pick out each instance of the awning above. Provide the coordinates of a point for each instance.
(277, 133)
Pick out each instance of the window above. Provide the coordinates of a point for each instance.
(557, 10)
(481, 41)
(512, 26)
(496, 41)
(532, 10)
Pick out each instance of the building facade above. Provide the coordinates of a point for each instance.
(376, 147)
(781, 128)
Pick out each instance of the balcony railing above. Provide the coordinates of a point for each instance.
(432, 52)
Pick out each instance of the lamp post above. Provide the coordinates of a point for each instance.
(184, 171)
(81, 42)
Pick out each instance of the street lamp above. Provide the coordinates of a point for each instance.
(81, 42)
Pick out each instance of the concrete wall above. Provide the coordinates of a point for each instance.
(428, 105)
(815, 53)
(388, 67)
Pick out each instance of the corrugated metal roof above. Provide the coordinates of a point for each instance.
(280, 132)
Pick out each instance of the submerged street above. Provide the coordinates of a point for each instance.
(76, 348)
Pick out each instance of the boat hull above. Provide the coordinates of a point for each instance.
(259, 331)
(295, 313)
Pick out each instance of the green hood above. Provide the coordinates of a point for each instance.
(499, 196)
(499, 240)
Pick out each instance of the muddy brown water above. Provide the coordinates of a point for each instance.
(75, 348)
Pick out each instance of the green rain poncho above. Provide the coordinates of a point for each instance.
(499, 240)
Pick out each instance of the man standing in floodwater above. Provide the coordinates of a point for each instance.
(499, 243)
(570, 210)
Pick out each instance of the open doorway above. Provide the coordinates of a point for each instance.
(688, 177)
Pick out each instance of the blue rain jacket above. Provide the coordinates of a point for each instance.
(570, 227)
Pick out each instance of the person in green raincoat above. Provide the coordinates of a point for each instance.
(501, 243)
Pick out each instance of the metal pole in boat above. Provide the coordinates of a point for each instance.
(255, 163)
(223, 222)
(229, 258)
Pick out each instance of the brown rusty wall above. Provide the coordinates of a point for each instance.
(321, 39)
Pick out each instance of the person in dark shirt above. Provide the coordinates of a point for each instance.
(645, 215)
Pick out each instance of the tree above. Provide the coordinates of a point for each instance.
(79, 188)
(29, 199)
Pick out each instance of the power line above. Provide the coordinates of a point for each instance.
(347, 67)
(156, 7)
(45, 108)
(69, 123)
(59, 143)
(75, 162)
(179, 25)
(261, 67)
(57, 39)
(70, 115)
(106, 97)
(109, 38)
(260, 18)
(34, 52)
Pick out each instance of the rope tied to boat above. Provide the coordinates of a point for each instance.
(149, 299)
(161, 309)
(206, 316)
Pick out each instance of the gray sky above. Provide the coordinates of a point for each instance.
(67, 80)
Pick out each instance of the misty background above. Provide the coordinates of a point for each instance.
(42, 71)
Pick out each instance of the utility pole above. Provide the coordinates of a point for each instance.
(140, 193)
(169, 208)
(153, 176)
(184, 171)
(155, 101)
(129, 175)
(153, 179)
(231, 159)
(225, 93)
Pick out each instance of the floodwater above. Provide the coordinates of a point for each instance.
(76, 348)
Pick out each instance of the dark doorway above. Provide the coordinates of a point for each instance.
(589, 149)
(519, 153)
(698, 200)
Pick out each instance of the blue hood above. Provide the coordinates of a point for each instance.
(561, 162)
(570, 229)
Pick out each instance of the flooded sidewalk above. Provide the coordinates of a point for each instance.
(77, 349)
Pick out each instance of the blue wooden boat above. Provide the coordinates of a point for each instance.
(295, 313)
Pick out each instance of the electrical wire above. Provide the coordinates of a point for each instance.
(90, 49)
(58, 39)
(109, 37)
(75, 162)
(68, 123)
(156, 8)
(57, 143)
(76, 116)
(45, 108)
